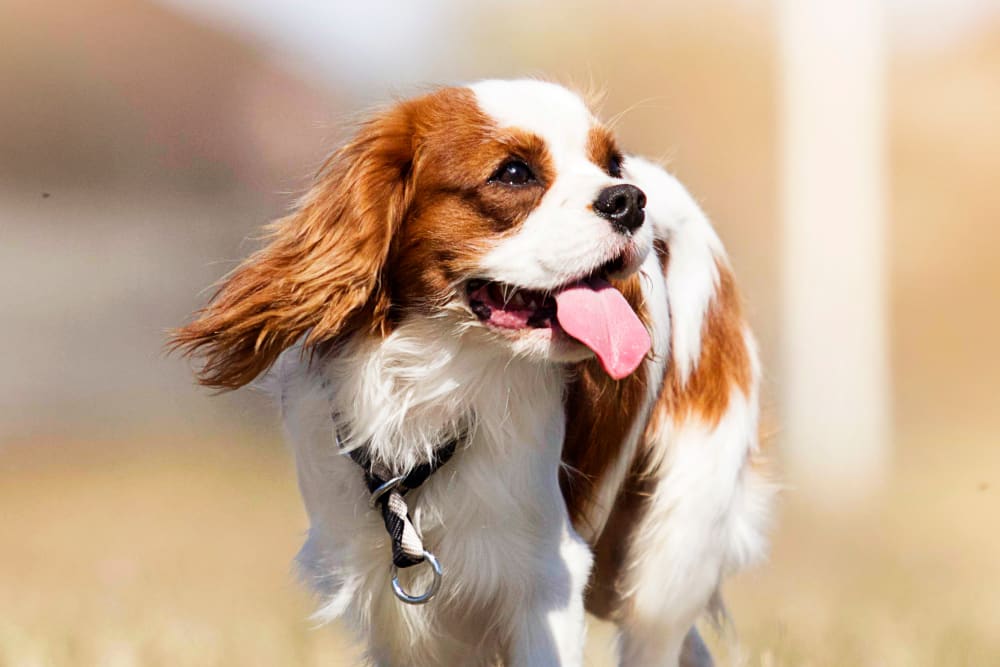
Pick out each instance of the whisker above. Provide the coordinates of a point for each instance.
(614, 120)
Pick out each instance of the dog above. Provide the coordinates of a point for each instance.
(482, 288)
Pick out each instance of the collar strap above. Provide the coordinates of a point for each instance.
(388, 491)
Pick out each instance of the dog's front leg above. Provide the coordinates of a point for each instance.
(551, 629)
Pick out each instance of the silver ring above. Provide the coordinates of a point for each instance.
(384, 488)
(431, 590)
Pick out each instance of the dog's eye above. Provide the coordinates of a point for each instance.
(615, 165)
(514, 172)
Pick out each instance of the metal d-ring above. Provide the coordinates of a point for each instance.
(431, 590)
(384, 488)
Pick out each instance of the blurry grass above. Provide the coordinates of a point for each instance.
(157, 554)
(153, 555)
(910, 578)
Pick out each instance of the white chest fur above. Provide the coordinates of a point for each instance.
(493, 515)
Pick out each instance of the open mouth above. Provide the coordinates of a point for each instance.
(588, 309)
(511, 307)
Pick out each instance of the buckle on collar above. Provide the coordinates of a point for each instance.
(431, 591)
(407, 546)
(384, 488)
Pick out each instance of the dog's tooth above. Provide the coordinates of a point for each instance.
(481, 309)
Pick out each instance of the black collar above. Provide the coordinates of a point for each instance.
(387, 490)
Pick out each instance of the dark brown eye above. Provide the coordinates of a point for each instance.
(615, 165)
(513, 172)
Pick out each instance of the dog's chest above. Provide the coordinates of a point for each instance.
(493, 514)
(497, 500)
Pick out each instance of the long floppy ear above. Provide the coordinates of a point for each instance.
(693, 504)
(321, 270)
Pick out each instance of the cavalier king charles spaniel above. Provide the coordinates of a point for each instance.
(482, 288)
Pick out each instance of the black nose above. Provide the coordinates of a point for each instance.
(623, 206)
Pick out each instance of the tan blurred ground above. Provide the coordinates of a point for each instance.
(144, 523)
(150, 554)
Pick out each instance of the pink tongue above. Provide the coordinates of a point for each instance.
(597, 315)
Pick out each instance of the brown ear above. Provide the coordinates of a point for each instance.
(321, 271)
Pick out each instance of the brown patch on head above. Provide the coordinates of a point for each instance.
(603, 151)
(394, 219)
(458, 210)
(599, 413)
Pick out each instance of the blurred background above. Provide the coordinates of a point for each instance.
(141, 143)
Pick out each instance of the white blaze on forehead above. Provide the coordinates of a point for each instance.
(563, 239)
(552, 112)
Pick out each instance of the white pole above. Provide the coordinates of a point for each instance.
(835, 379)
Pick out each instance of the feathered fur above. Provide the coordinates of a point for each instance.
(632, 497)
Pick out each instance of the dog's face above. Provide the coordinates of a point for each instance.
(499, 209)
(518, 194)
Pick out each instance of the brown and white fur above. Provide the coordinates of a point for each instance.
(631, 499)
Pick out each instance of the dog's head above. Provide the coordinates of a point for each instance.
(498, 209)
